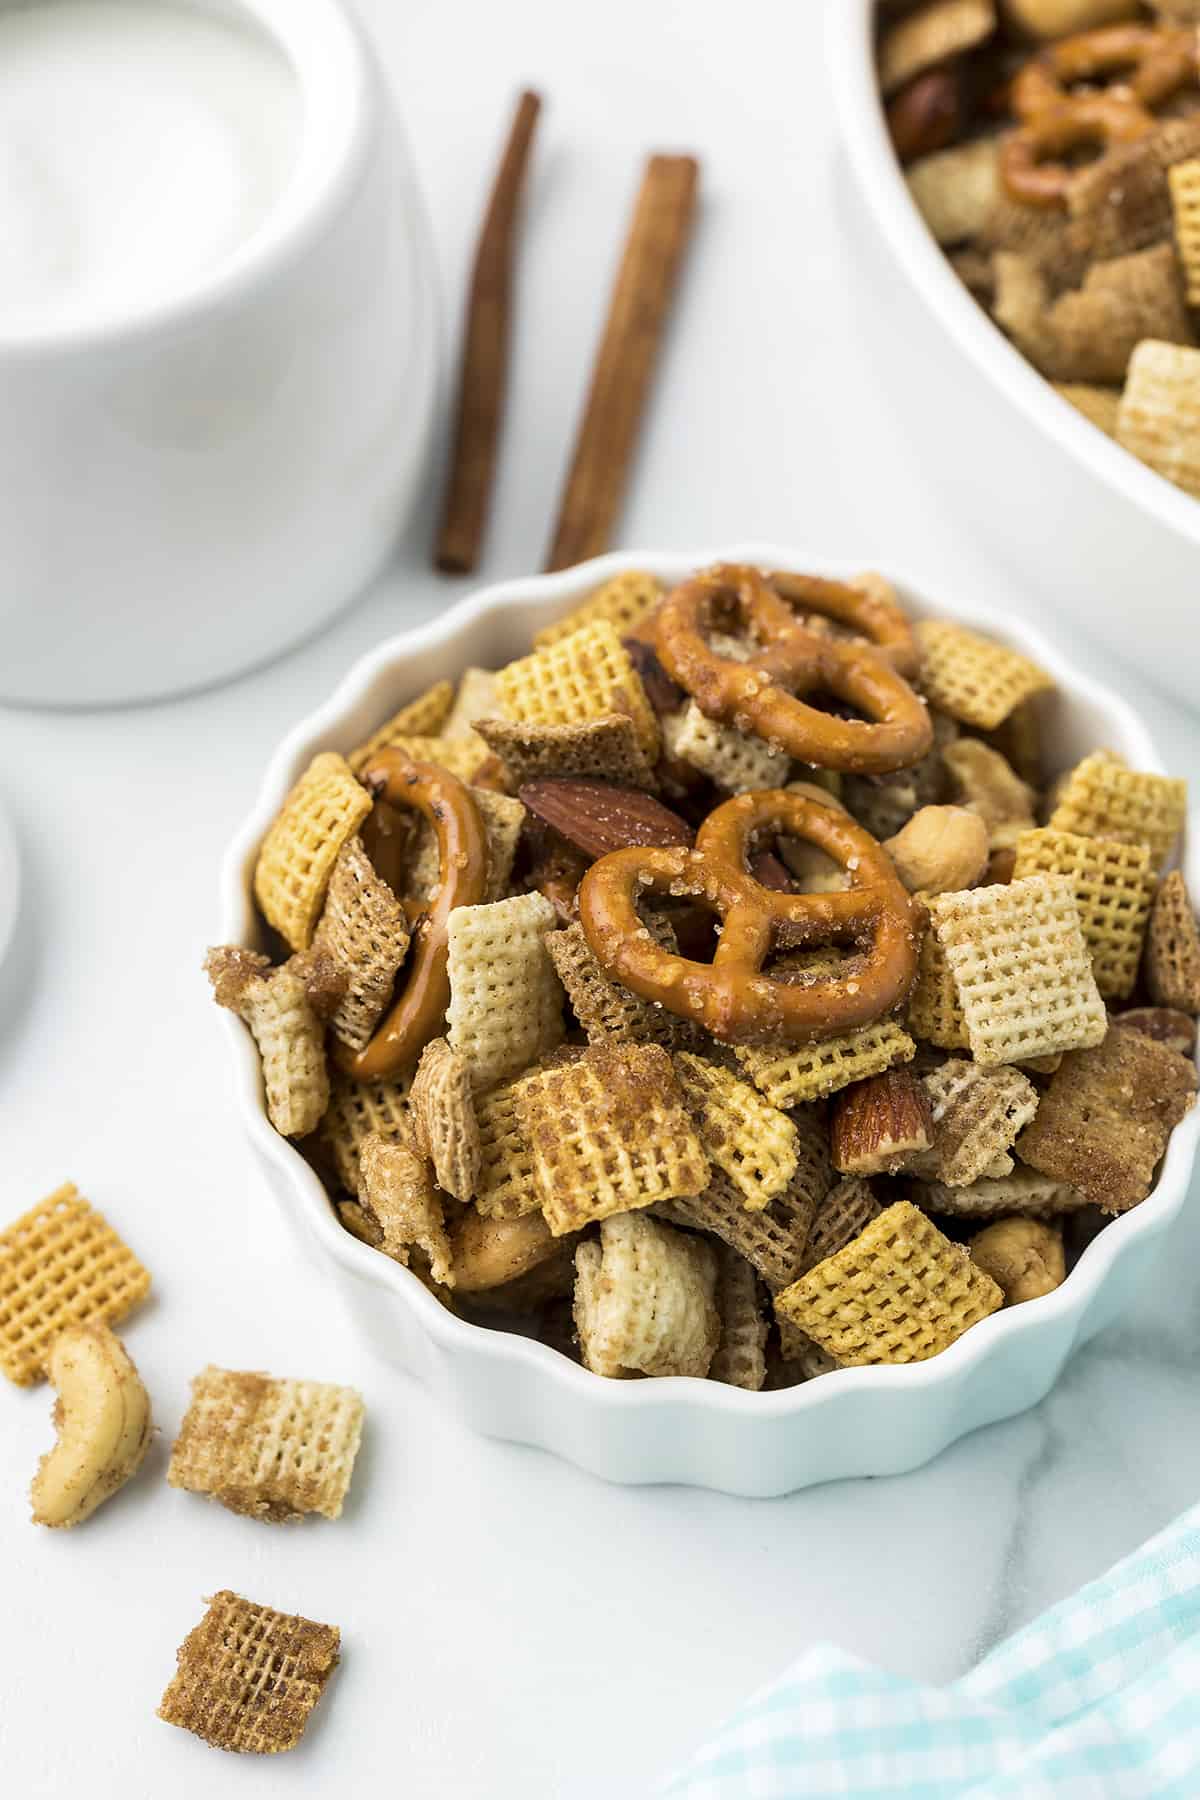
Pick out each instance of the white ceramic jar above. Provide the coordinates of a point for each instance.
(196, 476)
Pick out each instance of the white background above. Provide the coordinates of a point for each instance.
(510, 1627)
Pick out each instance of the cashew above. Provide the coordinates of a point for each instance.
(941, 850)
(103, 1423)
(1024, 1257)
(490, 1252)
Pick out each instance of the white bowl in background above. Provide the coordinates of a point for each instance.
(867, 1421)
(1111, 543)
(191, 486)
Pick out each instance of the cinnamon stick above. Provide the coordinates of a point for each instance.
(483, 375)
(637, 317)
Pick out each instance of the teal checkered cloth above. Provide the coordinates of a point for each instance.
(1099, 1699)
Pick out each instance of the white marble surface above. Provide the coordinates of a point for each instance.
(511, 1627)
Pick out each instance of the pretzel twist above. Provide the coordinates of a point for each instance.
(418, 1014)
(1151, 64)
(731, 996)
(762, 696)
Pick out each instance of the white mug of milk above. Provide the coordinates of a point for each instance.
(217, 337)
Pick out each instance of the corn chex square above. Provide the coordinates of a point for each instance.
(505, 1006)
(248, 1676)
(899, 1292)
(1103, 798)
(321, 813)
(507, 1187)
(622, 602)
(1113, 885)
(357, 1109)
(61, 1264)
(1022, 969)
(1104, 1121)
(790, 1074)
(752, 1141)
(423, 717)
(974, 679)
(273, 1450)
(585, 675)
(609, 1132)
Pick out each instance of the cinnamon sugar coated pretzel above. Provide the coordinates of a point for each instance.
(762, 696)
(679, 1054)
(1055, 158)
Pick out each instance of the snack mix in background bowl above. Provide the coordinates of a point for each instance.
(1053, 149)
(721, 989)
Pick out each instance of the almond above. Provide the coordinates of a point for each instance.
(1174, 1029)
(599, 816)
(878, 1124)
(926, 115)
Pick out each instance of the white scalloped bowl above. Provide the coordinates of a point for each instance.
(1018, 459)
(867, 1421)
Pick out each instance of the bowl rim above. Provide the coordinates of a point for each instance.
(849, 28)
(551, 594)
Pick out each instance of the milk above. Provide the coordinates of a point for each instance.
(142, 143)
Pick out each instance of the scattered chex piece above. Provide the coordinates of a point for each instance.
(974, 679)
(273, 1450)
(600, 749)
(61, 1264)
(423, 717)
(507, 1187)
(505, 998)
(1023, 1193)
(585, 675)
(977, 1116)
(364, 929)
(645, 1300)
(249, 1676)
(396, 1190)
(609, 1132)
(623, 602)
(1159, 415)
(283, 1022)
(1112, 884)
(444, 1124)
(1173, 948)
(1024, 978)
(608, 1012)
(736, 763)
(320, 815)
(754, 1143)
(791, 1074)
(845, 1212)
(355, 1110)
(740, 1358)
(899, 1292)
(1103, 798)
(1103, 1123)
